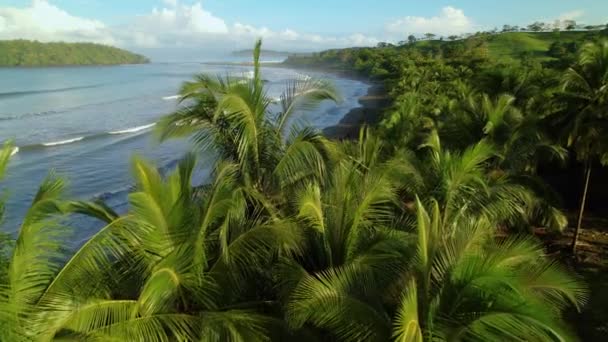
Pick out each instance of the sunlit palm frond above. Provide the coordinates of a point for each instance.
(307, 155)
(336, 300)
(406, 326)
(301, 95)
(97, 209)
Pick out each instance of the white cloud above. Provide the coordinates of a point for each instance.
(181, 20)
(46, 22)
(449, 21)
(572, 15)
(173, 25)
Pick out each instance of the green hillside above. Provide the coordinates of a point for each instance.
(513, 44)
(544, 47)
(33, 53)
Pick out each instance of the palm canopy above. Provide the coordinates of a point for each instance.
(175, 267)
(585, 119)
(518, 133)
(368, 276)
(585, 86)
(233, 117)
(465, 183)
(463, 284)
(351, 251)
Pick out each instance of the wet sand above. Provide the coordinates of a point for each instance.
(373, 105)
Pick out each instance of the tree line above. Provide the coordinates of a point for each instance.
(34, 53)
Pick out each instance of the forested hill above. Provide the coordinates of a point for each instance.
(554, 49)
(33, 53)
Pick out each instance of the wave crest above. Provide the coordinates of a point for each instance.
(62, 142)
(132, 129)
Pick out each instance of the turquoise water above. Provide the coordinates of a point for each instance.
(87, 122)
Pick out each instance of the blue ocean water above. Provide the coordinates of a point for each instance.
(86, 123)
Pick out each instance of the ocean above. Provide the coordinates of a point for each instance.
(86, 123)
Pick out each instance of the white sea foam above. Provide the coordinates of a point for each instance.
(172, 97)
(133, 129)
(63, 142)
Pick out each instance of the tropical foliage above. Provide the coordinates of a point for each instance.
(417, 231)
(34, 53)
(232, 117)
(585, 85)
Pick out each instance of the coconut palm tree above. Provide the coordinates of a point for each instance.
(585, 87)
(466, 183)
(520, 141)
(434, 281)
(463, 284)
(518, 133)
(176, 267)
(350, 245)
(233, 117)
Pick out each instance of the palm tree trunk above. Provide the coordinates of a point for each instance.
(582, 208)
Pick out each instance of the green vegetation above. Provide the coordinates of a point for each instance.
(508, 47)
(33, 53)
(420, 230)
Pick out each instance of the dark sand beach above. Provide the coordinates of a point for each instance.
(370, 112)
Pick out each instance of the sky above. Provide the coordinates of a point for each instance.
(303, 25)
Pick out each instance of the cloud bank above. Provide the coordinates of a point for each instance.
(449, 21)
(190, 25)
(173, 25)
(45, 22)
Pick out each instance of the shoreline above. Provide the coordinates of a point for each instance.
(372, 105)
(370, 109)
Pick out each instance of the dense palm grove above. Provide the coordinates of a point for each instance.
(417, 231)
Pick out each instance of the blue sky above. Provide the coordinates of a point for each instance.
(311, 24)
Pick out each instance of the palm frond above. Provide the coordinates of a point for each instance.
(301, 95)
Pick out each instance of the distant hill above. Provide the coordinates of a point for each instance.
(505, 47)
(512, 45)
(33, 53)
(267, 53)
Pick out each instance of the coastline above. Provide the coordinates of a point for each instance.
(372, 105)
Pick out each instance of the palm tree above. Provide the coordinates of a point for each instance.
(585, 87)
(518, 134)
(466, 183)
(365, 278)
(175, 267)
(463, 284)
(520, 141)
(350, 245)
(233, 118)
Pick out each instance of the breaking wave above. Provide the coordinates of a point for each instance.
(132, 129)
(62, 142)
